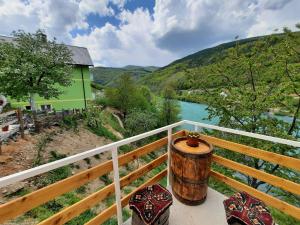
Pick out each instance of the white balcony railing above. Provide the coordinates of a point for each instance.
(113, 147)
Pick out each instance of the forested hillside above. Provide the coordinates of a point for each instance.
(106, 76)
(179, 72)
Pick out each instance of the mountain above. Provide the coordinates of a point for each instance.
(107, 75)
(176, 71)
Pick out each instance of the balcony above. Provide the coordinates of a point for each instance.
(210, 212)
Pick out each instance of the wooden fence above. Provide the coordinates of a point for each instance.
(20, 120)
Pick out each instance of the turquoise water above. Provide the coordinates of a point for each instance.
(195, 112)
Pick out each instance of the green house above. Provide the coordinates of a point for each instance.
(75, 96)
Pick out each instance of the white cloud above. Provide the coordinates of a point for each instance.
(94, 6)
(56, 17)
(130, 43)
(177, 27)
(100, 7)
(186, 26)
(275, 18)
(275, 4)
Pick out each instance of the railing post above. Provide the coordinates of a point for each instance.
(196, 128)
(169, 156)
(114, 153)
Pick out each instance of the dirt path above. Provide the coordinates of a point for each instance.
(119, 120)
(115, 113)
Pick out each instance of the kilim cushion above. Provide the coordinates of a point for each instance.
(242, 208)
(151, 202)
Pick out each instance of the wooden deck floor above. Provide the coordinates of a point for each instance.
(211, 212)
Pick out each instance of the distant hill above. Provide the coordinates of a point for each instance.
(107, 75)
(177, 70)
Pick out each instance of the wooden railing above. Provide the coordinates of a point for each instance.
(24, 204)
(279, 182)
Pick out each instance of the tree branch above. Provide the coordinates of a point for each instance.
(293, 125)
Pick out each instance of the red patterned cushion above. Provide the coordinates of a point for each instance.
(151, 202)
(245, 209)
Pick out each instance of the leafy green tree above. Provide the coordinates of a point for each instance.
(33, 65)
(126, 96)
(125, 90)
(246, 86)
(169, 112)
(139, 121)
(145, 92)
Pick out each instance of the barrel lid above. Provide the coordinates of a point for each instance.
(181, 145)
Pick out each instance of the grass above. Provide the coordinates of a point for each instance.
(50, 208)
(70, 122)
(103, 132)
(110, 200)
(126, 214)
(105, 178)
(83, 218)
(111, 221)
(95, 119)
(282, 218)
(108, 118)
(57, 174)
(125, 149)
(19, 193)
(81, 190)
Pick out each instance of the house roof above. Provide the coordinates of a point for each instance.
(80, 55)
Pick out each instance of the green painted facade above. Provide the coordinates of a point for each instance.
(73, 96)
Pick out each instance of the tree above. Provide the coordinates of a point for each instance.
(33, 65)
(170, 108)
(139, 121)
(246, 86)
(126, 96)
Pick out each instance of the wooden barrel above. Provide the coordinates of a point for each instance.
(190, 167)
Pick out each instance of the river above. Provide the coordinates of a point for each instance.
(197, 112)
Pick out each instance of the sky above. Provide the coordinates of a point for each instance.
(147, 32)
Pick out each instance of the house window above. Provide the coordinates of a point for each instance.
(46, 107)
(28, 107)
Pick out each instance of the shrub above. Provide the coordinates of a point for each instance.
(71, 122)
(105, 178)
(138, 122)
(87, 160)
(41, 145)
(103, 101)
(94, 122)
(81, 190)
(97, 156)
